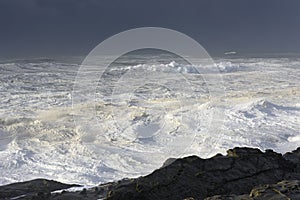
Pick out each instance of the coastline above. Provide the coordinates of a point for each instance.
(244, 173)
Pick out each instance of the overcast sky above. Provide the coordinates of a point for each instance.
(73, 27)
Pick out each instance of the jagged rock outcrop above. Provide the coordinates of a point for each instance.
(37, 187)
(294, 157)
(284, 190)
(192, 177)
(243, 174)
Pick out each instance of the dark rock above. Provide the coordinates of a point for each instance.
(83, 192)
(168, 162)
(293, 156)
(34, 187)
(243, 174)
(229, 197)
(234, 174)
(281, 190)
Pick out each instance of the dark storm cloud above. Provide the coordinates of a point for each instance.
(74, 27)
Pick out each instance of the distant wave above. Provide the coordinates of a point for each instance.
(181, 68)
(169, 67)
(228, 67)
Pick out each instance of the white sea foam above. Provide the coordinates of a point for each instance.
(38, 136)
(172, 66)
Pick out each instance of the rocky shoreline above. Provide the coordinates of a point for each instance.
(243, 174)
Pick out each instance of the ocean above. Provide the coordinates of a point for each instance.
(144, 109)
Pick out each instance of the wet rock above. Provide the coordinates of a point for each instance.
(243, 174)
(293, 156)
(83, 192)
(281, 190)
(192, 177)
(35, 188)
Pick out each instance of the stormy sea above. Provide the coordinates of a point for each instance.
(128, 127)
